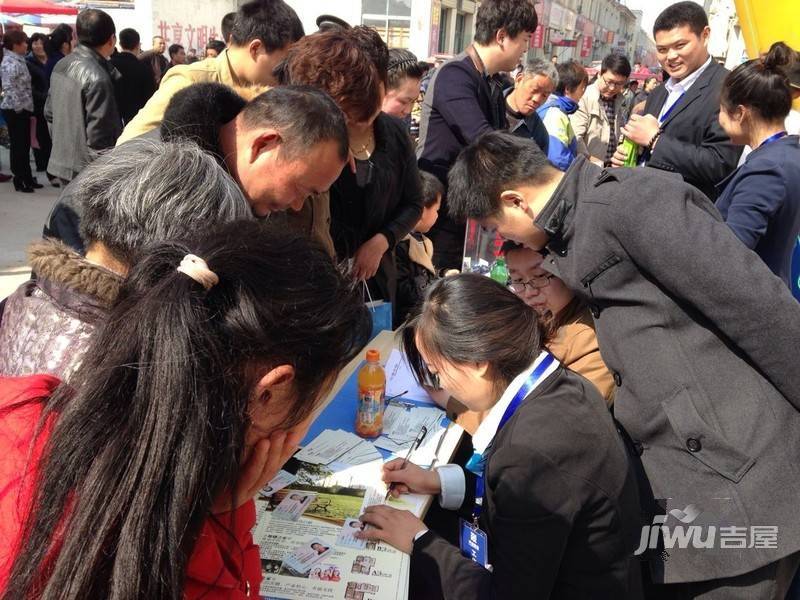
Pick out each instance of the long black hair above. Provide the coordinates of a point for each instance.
(152, 430)
(762, 84)
(468, 319)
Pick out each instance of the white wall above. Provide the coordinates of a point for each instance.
(309, 10)
(187, 22)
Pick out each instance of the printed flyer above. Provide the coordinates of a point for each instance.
(306, 535)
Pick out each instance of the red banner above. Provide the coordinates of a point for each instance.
(586, 46)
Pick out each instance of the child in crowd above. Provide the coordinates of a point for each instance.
(414, 253)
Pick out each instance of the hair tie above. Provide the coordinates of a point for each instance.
(196, 268)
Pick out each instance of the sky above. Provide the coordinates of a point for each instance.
(651, 9)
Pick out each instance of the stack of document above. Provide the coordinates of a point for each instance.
(340, 446)
(400, 380)
(401, 427)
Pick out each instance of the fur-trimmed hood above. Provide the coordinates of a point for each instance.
(47, 323)
(54, 261)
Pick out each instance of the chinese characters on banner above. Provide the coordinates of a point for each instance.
(609, 37)
(586, 46)
(543, 12)
(187, 35)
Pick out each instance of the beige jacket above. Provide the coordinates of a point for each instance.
(591, 125)
(210, 70)
(575, 346)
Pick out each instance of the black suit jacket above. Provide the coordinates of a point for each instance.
(561, 508)
(693, 143)
(135, 86)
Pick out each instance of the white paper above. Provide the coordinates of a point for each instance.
(347, 536)
(359, 454)
(400, 379)
(280, 481)
(402, 425)
(294, 505)
(328, 446)
(303, 557)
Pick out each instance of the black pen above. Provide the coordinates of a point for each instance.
(414, 445)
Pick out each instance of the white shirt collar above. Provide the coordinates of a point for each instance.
(687, 82)
(486, 431)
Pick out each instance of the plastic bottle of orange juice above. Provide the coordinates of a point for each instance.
(371, 391)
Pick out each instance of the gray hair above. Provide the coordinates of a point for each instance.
(148, 191)
(538, 66)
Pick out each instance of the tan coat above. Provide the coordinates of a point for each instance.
(210, 70)
(591, 125)
(575, 346)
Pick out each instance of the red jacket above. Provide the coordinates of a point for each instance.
(220, 567)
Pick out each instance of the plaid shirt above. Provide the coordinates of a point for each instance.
(608, 106)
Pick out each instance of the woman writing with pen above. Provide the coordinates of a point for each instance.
(549, 501)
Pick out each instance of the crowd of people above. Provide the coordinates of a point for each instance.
(203, 276)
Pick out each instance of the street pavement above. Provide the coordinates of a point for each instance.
(21, 219)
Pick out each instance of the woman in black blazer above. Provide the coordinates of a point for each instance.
(560, 510)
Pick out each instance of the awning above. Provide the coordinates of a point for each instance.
(35, 7)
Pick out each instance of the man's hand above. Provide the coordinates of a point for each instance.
(395, 527)
(368, 257)
(619, 158)
(641, 129)
(261, 464)
(411, 478)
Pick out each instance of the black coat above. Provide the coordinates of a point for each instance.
(40, 84)
(561, 508)
(82, 111)
(702, 339)
(135, 85)
(693, 143)
(391, 204)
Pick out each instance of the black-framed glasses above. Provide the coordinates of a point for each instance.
(614, 85)
(536, 283)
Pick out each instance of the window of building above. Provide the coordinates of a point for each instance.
(460, 38)
(444, 22)
(391, 18)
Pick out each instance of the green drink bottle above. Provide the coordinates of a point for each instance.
(632, 149)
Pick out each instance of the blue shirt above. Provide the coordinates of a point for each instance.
(760, 202)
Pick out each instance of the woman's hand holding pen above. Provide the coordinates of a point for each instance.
(410, 478)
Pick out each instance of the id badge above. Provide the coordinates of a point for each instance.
(474, 543)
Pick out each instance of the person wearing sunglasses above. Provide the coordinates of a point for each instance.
(598, 120)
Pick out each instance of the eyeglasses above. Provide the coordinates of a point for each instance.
(536, 283)
(614, 85)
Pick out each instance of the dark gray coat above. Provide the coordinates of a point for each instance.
(81, 110)
(703, 341)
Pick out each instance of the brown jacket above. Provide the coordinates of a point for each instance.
(575, 346)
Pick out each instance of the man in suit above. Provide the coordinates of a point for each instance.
(465, 100)
(680, 129)
(707, 382)
(136, 85)
(599, 118)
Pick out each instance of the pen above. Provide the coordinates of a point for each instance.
(414, 445)
(395, 397)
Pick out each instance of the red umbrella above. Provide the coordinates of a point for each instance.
(35, 7)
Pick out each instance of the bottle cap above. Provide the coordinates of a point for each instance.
(373, 355)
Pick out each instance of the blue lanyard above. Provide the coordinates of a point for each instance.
(477, 463)
(774, 137)
(670, 109)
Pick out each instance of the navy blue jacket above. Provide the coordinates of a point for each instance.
(760, 202)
